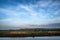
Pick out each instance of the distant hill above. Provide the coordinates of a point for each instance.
(54, 26)
(31, 27)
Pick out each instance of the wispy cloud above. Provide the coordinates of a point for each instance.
(35, 12)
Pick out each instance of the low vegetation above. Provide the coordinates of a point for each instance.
(28, 33)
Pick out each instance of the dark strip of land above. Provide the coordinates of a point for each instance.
(28, 33)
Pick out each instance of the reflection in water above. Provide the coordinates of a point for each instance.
(30, 38)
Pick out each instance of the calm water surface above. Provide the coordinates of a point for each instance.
(30, 38)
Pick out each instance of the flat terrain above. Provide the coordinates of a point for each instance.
(28, 33)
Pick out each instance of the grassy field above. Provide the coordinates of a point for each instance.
(27, 33)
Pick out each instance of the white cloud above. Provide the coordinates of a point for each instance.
(29, 9)
(9, 12)
(35, 17)
(48, 3)
(44, 3)
(57, 12)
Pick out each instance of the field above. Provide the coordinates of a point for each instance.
(28, 33)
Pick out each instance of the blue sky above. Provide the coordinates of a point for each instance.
(23, 12)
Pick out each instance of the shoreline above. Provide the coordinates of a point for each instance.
(27, 35)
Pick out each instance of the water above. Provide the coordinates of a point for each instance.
(30, 38)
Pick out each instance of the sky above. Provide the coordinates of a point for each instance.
(29, 12)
